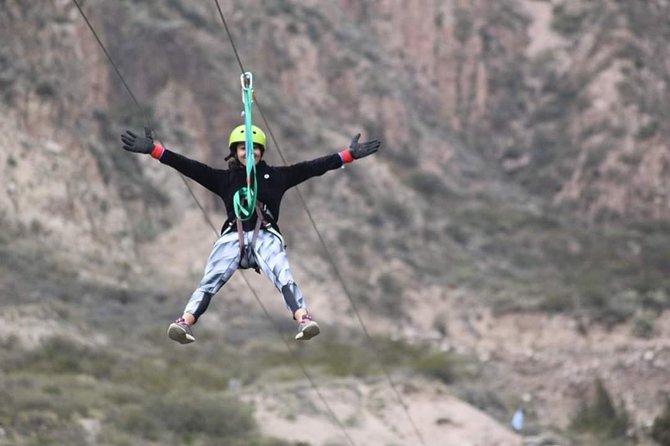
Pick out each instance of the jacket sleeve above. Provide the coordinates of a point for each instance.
(208, 177)
(297, 173)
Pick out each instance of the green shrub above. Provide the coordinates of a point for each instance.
(138, 420)
(427, 184)
(341, 359)
(464, 25)
(395, 212)
(192, 16)
(61, 356)
(357, 359)
(566, 22)
(601, 417)
(438, 365)
(404, 158)
(557, 301)
(46, 90)
(647, 130)
(156, 376)
(484, 398)
(643, 324)
(660, 430)
(391, 289)
(205, 413)
(198, 415)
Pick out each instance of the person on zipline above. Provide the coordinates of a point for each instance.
(256, 242)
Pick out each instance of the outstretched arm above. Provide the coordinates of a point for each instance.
(300, 172)
(197, 171)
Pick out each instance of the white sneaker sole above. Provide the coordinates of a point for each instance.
(307, 333)
(178, 334)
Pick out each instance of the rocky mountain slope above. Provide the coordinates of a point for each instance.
(516, 217)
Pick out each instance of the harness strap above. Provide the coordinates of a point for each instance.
(259, 221)
(240, 236)
(247, 259)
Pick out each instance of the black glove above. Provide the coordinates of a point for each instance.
(137, 144)
(360, 150)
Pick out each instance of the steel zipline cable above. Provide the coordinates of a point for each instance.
(264, 309)
(325, 246)
(147, 120)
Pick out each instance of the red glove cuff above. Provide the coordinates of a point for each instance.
(157, 152)
(346, 156)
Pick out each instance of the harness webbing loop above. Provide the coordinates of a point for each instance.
(244, 200)
(247, 256)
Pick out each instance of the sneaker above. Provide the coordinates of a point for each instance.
(181, 332)
(307, 329)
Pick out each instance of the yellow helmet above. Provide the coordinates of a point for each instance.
(237, 136)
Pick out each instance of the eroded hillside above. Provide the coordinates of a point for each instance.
(523, 170)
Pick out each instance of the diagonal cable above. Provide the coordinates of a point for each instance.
(230, 37)
(147, 119)
(328, 253)
(299, 363)
(346, 291)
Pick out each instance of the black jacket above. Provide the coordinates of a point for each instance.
(272, 181)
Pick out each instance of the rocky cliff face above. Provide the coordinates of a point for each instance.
(566, 96)
(572, 112)
(497, 117)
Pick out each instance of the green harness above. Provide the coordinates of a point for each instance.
(244, 200)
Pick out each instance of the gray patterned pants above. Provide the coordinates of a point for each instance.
(224, 259)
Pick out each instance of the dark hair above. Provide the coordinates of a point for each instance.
(234, 163)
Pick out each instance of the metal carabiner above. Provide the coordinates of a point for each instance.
(247, 81)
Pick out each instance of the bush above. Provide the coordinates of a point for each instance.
(601, 418)
(660, 430)
(428, 184)
(61, 356)
(643, 325)
(647, 131)
(344, 359)
(198, 414)
(391, 289)
(46, 90)
(395, 212)
(566, 22)
(484, 398)
(438, 365)
(463, 27)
